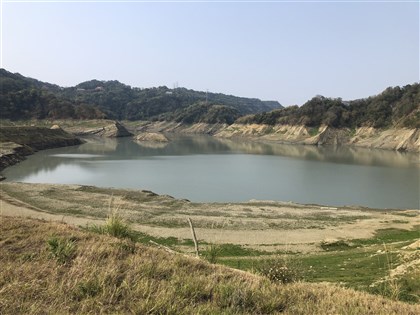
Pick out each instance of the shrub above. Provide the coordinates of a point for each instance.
(280, 270)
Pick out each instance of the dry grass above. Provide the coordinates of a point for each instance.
(110, 275)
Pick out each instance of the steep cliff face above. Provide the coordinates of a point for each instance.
(393, 139)
(401, 139)
(329, 136)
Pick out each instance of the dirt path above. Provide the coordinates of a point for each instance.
(13, 209)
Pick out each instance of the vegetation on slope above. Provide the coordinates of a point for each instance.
(398, 106)
(26, 98)
(54, 268)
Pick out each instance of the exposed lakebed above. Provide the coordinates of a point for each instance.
(202, 168)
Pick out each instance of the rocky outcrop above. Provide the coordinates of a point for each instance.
(151, 137)
(17, 142)
(329, 136)
(110, 129)
(175, 127)
(12, 153)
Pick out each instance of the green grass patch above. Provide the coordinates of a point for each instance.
(338, 245)
(61, 249)
(233, 250)
(389, 236)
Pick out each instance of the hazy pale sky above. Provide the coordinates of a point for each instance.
(285, 51)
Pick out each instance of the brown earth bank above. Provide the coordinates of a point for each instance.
(54, 268)
(17, 142)
(400, 139)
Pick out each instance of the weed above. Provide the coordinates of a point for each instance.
(212, 253)
(114, 225)
(280, 270)
(86, 289)
(63, 250)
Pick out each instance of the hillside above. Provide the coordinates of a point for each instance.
(55, 268)
(26, 98)
(395, 107)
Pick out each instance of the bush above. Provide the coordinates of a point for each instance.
(280, 270)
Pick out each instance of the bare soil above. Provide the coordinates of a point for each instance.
(258, 224)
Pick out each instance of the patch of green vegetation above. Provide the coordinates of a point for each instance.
(356, 264)
(400, 221)
(338, 245)
(62, 249)
(389, 236)
(87, 289)
(352, 132)
(407, 214)
(280, 269)
(354, 268)
(166, 241)
(313, 131)
(227, 250)
(114, 226)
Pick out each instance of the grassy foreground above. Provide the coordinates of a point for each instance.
(55, 268)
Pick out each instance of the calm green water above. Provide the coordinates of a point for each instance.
(201, 168)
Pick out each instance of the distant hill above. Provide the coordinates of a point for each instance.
(29, 98)
(26, 98)
(121, 101)
(394, 107)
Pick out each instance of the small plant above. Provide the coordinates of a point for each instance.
(212, 253)
(114, 225)
(279, 270)
(63, 250)
(86, 289)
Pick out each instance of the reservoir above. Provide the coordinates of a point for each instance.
(207, 169)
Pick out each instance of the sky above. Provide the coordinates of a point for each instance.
(285, 51)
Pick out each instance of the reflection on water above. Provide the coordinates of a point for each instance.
(203, 168)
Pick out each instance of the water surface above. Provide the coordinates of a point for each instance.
(201, 168)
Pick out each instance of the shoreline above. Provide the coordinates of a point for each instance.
(272, 226)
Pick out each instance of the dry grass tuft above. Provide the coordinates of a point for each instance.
(104, 274)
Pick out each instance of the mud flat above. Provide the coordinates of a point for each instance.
(255, 224)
